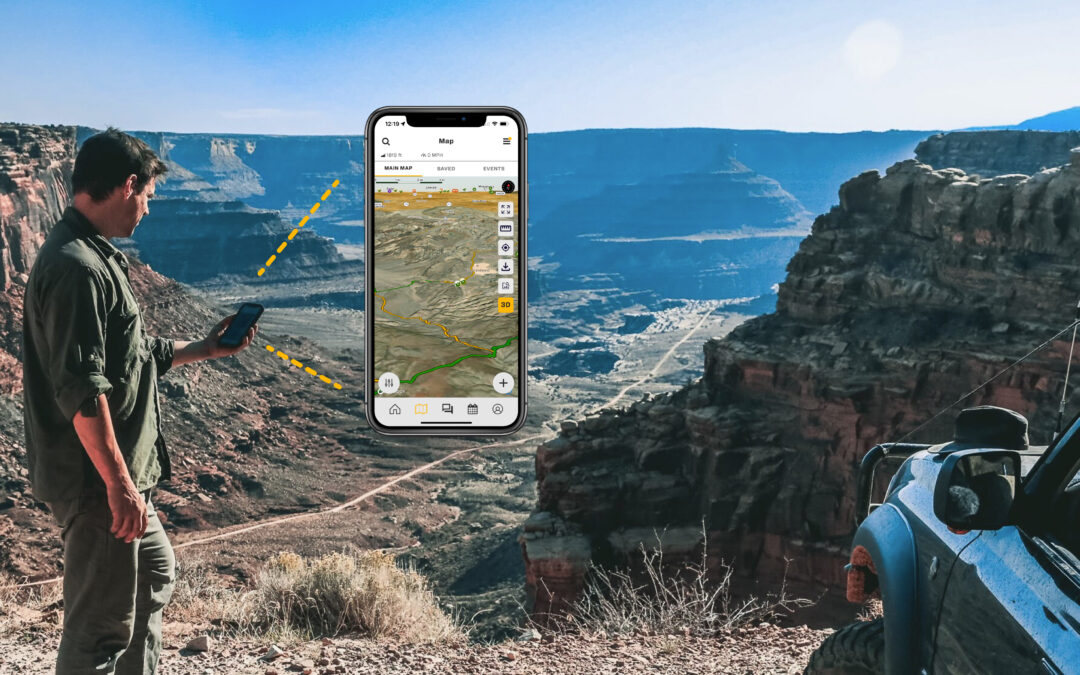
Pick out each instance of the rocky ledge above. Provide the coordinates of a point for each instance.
(917, 287)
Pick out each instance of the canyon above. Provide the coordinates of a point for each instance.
(919, 285)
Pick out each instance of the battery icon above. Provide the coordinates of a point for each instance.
(502, 124)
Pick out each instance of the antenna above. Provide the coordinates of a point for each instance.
(1068, 369)
(1001, 372)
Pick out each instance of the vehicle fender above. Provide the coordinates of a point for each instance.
(887, 537)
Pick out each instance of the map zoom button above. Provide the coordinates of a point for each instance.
(503, 383)
(389, 383)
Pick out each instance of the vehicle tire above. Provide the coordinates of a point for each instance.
(855, 649)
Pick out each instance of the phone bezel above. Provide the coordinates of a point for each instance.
(453, 113)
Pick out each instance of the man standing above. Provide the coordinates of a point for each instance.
(93, 426)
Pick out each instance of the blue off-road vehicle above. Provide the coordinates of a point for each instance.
(975, 552)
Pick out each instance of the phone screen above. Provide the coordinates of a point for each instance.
(446, 273)
(245, 318)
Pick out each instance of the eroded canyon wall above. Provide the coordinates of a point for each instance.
(918, 286)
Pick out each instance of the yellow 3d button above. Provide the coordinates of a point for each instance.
(506, 305)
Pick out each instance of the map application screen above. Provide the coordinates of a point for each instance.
(448, 269)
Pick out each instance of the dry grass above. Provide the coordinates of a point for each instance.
(873, 609)
(686, 600)
(297, 598)
(21, 608)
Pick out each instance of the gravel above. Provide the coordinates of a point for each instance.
(762, 649)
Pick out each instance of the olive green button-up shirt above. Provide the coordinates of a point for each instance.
(83, 335)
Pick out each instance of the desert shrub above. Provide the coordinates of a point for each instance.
(684, 599)
(364, 592)
(200, 594)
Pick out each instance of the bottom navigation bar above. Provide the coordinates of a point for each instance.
(496, 411)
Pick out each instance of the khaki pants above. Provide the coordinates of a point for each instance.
(114, 592)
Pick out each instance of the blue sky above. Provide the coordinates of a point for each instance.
(320, 69)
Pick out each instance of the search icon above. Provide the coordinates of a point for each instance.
(386, 141)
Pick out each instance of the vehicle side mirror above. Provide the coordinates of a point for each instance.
(976, 488)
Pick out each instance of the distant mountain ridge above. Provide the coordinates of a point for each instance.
(620, 208)
(1059, 120)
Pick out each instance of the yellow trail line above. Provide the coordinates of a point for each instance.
(445, 330)
(322, 512)
(303, 221)
(307, 369)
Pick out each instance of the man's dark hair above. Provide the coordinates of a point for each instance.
(106, 160)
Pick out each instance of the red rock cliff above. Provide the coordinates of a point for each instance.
(917, 287)
(35, 171)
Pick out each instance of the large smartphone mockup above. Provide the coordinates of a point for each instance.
(446, 198)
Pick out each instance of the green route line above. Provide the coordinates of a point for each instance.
(456, 361)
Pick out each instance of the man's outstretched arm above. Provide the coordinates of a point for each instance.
(208, 348)
(129, 517)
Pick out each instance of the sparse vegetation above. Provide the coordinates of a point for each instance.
(672, 600)
(21, 607)
(360, 592)
(873, 609)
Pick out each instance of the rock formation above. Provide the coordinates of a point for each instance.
(1026, 152)
(194, 240)
(920, 285)
(35, 171)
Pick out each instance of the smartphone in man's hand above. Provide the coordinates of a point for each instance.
(245, 318)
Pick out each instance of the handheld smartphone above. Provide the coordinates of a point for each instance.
(245, 318)
(446, 204)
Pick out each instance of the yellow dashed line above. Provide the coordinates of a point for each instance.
(303, 221)
(445, 330)
(307, 369)
(269, 261)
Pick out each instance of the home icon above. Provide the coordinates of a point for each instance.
(395, 409)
